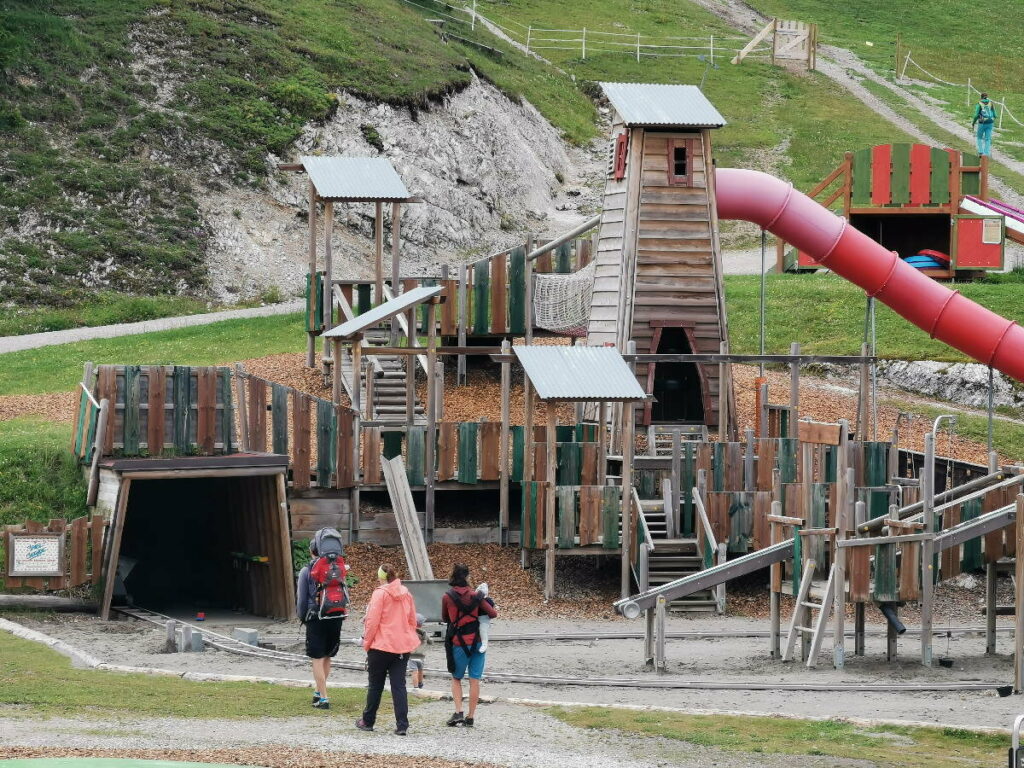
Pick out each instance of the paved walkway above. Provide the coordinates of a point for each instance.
(35, 340)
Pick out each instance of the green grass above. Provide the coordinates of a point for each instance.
(39, 479)
(1007, 437)
(59, 368)
(883, 745)
(826, 315)
(39, 682)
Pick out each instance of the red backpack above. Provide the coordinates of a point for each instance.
(328, 574)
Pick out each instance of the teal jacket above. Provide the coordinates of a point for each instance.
(984, 113)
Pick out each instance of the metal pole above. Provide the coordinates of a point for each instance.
(584, 41)
(991, 413)
(473, 22)
(874, 372)
(764, 245)
(927, 567)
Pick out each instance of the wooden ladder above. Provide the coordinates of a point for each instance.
(802, 614)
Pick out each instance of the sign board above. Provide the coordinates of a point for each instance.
(819, 432)
(35, 554)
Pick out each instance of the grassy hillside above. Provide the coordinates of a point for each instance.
(111, 109)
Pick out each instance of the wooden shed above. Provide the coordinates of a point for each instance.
(658, 276)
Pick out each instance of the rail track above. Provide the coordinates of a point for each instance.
(230, 645)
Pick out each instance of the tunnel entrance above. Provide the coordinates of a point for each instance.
(204, 543)
(678, 388)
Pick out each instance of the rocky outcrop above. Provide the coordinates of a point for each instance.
(961, 383)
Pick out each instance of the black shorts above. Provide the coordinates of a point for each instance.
(323, 637)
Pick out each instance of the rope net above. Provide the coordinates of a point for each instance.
(562, 302)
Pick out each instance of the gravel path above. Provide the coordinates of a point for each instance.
(35, 340)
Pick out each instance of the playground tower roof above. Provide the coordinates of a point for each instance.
(579, 373)
(355, 179)
(652, 104)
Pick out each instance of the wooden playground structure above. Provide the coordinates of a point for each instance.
(652, 471)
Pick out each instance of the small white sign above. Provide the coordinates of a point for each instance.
(35, 555)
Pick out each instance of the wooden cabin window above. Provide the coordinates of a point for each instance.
(680, 162)
(619, 163)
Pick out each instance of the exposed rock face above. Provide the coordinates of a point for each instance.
(961, 383)
(488, 170)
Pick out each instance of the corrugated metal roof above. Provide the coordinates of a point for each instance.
(384, 311)
(654, 104)
(579, 373)
(355, 178)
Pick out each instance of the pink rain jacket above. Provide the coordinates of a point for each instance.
(390, 623)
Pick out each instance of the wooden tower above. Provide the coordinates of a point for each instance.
(658, 277)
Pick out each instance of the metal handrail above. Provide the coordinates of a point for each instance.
(88, 394)
(562, 239)
(403, 324)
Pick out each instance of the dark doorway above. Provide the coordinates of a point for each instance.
(200, 544)
(907, 234)
(677, 387)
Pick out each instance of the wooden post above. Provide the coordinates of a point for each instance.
(311, 340)
(677, 484)
(337, 372)
(357, 373)
(649, 637)
(549, 505)
(529, 293)
(723, 395)
(858, 629)
(983, 175)
(990, 608)
(503, 469)
(94, 467)
(839, 553)
(241, 409)
(794, 391)
(113, 542)
(378, 250)
(1018, 601)
(328, 275)
(891, 645)
(396, 236)
(864, 398)
(749, 478)
(927, 564)
(463, 313)
(430, 470)
(602, 442)
(659, 647)
(762, 416)
(775, 578)
(626, 509)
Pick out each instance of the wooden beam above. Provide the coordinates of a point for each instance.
(396, 236)
(503, 468)
(431, 406)
(1018, 601)
(549, 504)
(114, 548)
(311, 341)
(378, 249)
(328, 298)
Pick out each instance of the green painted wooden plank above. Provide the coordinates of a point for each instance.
(876, 470)
(468, 452)
(518, 453)
(415, 455)
(517, 290)
(741, 522)
(132, 417)
(564, 433)
(860, 191)
(831, 460)
(182, 379)
(567, 517)
(83, 403)
(900, 173)
(970, 181)
(886, 583)
(610, 508)
(569, 463)
(314, 302)
(327, 440)
(785, 459)
(586, 432)
(647, 485)
(688, 476)
(784, 417)
(424, 309)
(563, 258)
(391, 444)
(971, 560)
(227, 421)
(90, 433)
(530, 533)
(279, 418)
(482, 297)
(364, 300)
(818, 518)
(939, 181)
(718, 468)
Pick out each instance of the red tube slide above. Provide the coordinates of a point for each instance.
(943, 314)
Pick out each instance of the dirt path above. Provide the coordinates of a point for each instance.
(848, 70)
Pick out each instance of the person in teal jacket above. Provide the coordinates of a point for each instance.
(982, 124)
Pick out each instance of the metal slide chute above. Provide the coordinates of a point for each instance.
(943, 314)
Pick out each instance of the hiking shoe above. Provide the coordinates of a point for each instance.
(400, 731)
(362, 726)
(322, 704)
(420, 685)
(467, 723)
(316, 697)
(455, 719)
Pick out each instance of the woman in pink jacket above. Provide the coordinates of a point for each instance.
(389, 636)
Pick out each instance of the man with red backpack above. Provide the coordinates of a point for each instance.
(321, 604)
(461, 608)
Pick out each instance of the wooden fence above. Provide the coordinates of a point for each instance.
(82, 558)
(157, 410)
(317, 435)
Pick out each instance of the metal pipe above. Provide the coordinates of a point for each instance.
(561, 239)
(888, 610)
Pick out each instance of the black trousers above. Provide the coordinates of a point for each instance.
(382, 665)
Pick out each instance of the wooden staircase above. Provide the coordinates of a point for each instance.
(673, 558)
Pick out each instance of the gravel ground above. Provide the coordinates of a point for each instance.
(507, 735)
